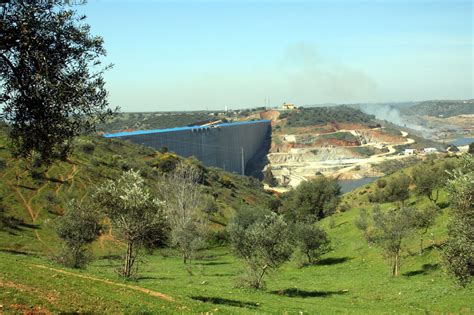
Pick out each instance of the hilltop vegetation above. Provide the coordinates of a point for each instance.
(152, 120)
(440, 108)
(322, 115)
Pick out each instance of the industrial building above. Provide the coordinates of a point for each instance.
(230, 146)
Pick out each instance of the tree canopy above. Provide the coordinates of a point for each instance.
(313, 200)
(52, 85)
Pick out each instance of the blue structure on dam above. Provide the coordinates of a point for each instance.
(230, 146)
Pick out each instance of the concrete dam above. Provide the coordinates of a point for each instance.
(237, 147)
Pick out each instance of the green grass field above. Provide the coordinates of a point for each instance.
(352, 278)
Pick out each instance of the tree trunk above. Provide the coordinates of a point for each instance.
(127, 268)
(421, 244)
(435, 198)
(310, 260)
(259, 280)
(397, 264)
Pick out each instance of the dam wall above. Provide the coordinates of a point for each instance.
(229, 146)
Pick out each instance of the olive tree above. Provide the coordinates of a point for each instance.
(427, 180)
(397, 188)
(459, 248)
(185, 203)
(52, 85)
(134, 213)
(423, 219)
(391, 229)
(78, 227)
(362, 222)
(312, 241)
(262, 240)
(312, 200)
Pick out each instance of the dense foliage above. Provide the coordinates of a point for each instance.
(77, 228)
(459, 249)
(312, 241)
(312, 200)
(262, 239)
(133, 212)
(52, 87)
(391, 228)
(395, 188)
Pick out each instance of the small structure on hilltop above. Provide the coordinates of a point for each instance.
(289, 106)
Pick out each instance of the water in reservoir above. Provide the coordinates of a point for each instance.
(462, 141)
(348, 185)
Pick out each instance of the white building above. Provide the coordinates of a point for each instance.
(430, 150)
(409, 152)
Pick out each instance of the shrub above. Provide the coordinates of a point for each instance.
(312, 200)
(88, 147)
(77, 228)
(381, 183)
(312, 241)
(262, 239)
(226, 181)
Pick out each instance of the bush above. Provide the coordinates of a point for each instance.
(381, 183)
(77, 228)
(88, 147)
(218, 238)
(262, 239)
(312, 241)
(312, 200)
(166, 162)
(226, 181)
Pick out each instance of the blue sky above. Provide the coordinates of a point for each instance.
(189, 55)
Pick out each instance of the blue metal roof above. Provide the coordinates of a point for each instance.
(145, 132)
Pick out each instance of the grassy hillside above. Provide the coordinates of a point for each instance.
(353, 277)
(32, 202)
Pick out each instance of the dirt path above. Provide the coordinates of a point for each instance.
(123, 285)
(25, 203)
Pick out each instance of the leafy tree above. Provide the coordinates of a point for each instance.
(210, 206)
(133, 212)
(51, 79)
(362, 222)
(459, 248)
(427, 180)
(312, 241)
(78, 227)
(397, 188)
(424, 219)
(313, 200)
(185, 203)
(262, 240)
(391, 228)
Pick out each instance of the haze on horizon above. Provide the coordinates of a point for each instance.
(192, 55)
